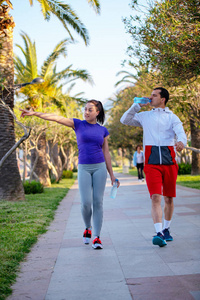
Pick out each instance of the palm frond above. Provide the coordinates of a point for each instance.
(70, 88)
(49, 63)
(19, 65)
(81, 74)
(30, 55)
(45, 8)
(8, 3)
(67, 16)
(128, 77)
(96, 5)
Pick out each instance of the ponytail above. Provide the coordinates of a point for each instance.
(99, 106)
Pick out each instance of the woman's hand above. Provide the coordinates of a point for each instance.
(26, 112)
(113, 180)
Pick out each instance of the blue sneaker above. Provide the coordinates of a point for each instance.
(167, 235)
(159, 240)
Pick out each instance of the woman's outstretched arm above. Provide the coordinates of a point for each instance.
(49, 117)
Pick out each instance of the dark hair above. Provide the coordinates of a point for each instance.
(99, 106)
(138, 146)
(163, 93)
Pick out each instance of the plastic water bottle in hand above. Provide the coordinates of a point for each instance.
(113, 192)
(142, 100)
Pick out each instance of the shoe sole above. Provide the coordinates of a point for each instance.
(86, 240)
(169, 240)
(158, 241)
(97, 246)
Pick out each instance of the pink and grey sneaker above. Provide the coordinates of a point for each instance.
(87, 236)
(96, 244)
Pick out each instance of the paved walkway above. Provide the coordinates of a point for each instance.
(61, 267)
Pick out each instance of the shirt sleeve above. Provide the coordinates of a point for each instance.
(131, 116)
(179, 131)
(76, 123)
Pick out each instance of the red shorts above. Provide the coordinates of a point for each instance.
(161, 179)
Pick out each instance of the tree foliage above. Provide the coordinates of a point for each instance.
(49, 97)
(166, 41)
(167, 38)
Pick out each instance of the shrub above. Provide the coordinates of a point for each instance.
(184, 169)
(67, 174)
(33, 187)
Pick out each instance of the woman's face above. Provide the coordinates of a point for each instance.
(90, 113)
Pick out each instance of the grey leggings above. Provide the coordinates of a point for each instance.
(92, 181)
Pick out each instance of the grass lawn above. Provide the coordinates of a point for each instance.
(184, 180)
(20, 225)
(22, 222)
(189, 181)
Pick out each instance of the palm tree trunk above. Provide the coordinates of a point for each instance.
(195, 142)
(11, 187)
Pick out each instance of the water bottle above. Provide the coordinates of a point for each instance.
(142, 100)
(113, 192)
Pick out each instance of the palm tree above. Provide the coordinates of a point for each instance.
(127, 78)
(42, 96)
(10, 183)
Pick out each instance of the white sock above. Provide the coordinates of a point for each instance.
(166, 224)
(158, 227)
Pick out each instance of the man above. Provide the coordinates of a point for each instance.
(163, 134)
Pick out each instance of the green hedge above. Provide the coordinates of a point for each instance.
(67, 174)
(184, 169)
(33, 187)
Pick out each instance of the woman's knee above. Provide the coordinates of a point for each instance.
(86, 205)
(98, 203)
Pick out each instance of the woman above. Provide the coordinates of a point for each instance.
(93, 162)
(138, 161)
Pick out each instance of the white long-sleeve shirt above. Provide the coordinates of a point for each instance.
(161, 127)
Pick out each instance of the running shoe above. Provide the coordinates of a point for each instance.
(159, 240)
(97, 243)
(87, 236)
(167, 235)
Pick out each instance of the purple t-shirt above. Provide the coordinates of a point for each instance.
(90, 138)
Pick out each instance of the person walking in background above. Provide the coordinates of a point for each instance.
(93, 163)
(138, 162)
(163, 134)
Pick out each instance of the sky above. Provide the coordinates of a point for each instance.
(105, 53)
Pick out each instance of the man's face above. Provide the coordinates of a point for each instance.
(156, 99)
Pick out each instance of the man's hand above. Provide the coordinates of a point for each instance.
(179, 146)
(144, 104)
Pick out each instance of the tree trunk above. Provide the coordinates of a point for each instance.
(41, 168)
(69, 150)
(195, 142)
(11, 187)
(55, 158)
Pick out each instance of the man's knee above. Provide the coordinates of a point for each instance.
(156, 199)
(169, 200)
